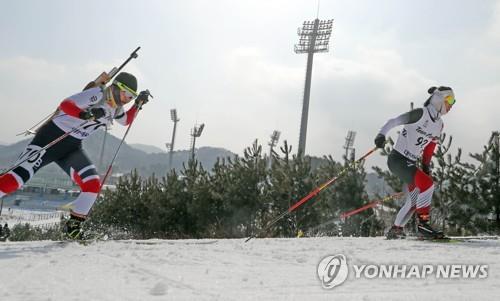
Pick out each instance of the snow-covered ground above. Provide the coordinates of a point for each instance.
(262, 269)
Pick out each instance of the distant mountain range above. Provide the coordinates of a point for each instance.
(146, 159)
(149, 149)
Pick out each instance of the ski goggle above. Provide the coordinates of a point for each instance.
(128, 92)
(450, 100)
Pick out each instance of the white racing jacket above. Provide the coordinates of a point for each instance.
(67, 118)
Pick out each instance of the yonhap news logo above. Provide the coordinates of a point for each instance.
(333, 270)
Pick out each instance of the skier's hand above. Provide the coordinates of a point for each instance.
(427, 169)
(94, 113)
(142, 98)
(380, 141)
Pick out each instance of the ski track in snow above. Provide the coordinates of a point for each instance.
(262, 269)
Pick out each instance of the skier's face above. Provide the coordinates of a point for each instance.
(126, 94)
(449, 101)
(125, 97)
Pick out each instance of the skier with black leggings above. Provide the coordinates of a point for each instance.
(79, 115)
(417, 140)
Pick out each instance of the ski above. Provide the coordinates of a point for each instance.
(454, 239)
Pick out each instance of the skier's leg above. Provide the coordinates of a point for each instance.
(426, 186)
(82, 172)
(16, 178)
(405, 169)
(408, 208)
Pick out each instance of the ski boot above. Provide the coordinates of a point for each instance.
(73, 227)
(425, 230)
(396, 232)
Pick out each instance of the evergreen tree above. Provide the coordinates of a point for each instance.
(244, 191)
(290, 180)
(488, 181)
(348, 193)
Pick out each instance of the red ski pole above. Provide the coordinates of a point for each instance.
(372, 204)
(311, 194)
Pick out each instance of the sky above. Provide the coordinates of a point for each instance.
(231, 65)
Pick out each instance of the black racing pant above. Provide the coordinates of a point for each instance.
(67, 153)
(402, 167)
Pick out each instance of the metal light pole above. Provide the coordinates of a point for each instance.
(195, 133)
(314, 37)
(274, 140)
(495, 140)
(170, 146)
(349, 142)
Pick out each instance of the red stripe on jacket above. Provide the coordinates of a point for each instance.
(428, 153)
(70, 108)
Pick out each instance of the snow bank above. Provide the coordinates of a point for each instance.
(262, 269)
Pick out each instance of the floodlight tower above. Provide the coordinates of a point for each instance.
(495, 140)
(170, 146)
(314, 36)
(349, 142)
(274, 140)
(195, 133)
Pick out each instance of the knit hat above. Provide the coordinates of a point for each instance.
(438, 98)
(126, 79)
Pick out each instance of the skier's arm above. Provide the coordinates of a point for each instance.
(125, 118)
(427, 156)
(70, 108)
(406, 118)
(79, 105)
(428, 153)
(128, 117)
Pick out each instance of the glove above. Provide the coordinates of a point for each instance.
(427, 169)
(94, 113)
(380, 141)
(142, 98)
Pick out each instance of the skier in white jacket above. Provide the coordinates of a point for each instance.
(417, 140)
(80, 115)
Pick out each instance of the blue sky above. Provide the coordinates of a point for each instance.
(231, 65)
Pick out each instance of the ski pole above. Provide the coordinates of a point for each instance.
(32, 130)
(108, 171)
(371, 204)
(50, 144)
(312, 194)
(344, 215)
